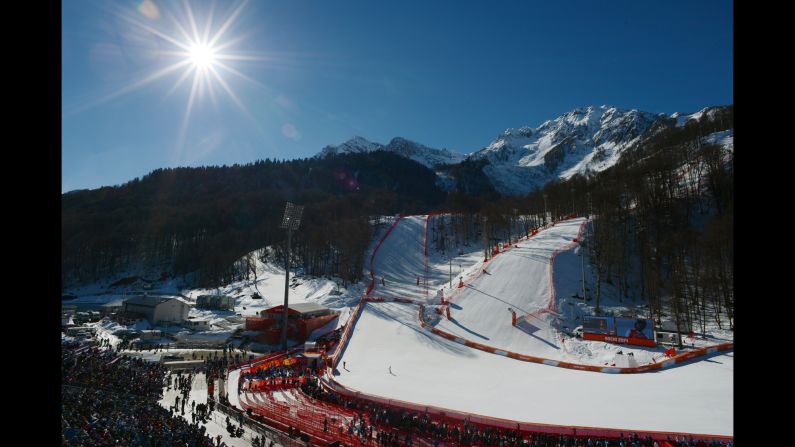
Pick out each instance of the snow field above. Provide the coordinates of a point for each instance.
(429, 370)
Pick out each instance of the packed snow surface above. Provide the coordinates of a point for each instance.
(430, 370)
(518, 279)
(694, 397)
(400, 261)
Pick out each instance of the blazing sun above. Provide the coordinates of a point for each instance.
(200, 53)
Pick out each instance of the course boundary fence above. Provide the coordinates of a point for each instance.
(681, 358)
(261, 428)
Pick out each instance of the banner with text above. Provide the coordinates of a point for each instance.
(631, 331)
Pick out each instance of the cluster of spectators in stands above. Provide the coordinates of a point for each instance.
(95, 368)
(273, 376)
(273, 372)
(109, 400)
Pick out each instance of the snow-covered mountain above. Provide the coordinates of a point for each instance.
(420, 153)
(709, 113)
(355, 145)
(584, 140)
(589, 139)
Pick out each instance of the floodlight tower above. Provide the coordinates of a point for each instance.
(545, 208)
(572, 201)
(485, 239)
(514, 218)
(450, 241)
(290, 222)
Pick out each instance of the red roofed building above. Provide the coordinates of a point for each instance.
(302, 320)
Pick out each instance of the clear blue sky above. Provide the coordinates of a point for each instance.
(448, 74)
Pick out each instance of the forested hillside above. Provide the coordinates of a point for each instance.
(203, 219)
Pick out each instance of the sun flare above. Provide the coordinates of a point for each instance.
(202, 55)
(198, 51)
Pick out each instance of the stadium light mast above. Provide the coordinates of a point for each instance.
(545, 208)
(450, 240)
(485, 238)
(582, 270)
(590, 210)
(290, 222)
(572, 200)
(514, 218)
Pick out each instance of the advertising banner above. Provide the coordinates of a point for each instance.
(597, 325)
(630, 331)
(618, 339)
(635, 328)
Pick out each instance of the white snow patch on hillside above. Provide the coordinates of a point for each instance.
(723, 138)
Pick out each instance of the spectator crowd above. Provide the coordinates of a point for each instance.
(111, 400)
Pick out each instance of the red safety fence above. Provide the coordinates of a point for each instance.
(297, 410)
(569, 365)
(284, 417)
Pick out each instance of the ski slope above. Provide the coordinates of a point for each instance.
(430, 370)
(390, 355)
(400, 260)
(517, 279)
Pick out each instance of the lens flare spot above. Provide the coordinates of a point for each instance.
(149, 9)
(289, 131)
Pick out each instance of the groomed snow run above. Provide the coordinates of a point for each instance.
(390, 355)
(518, 279)
(430, 370)
(400, 260)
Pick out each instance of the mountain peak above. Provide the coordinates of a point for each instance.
(584, 139)
(355, 145)
(420, 153)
